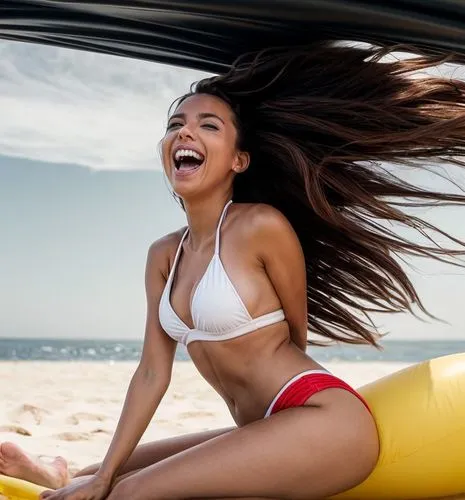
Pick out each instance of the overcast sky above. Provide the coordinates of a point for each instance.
(82, 196)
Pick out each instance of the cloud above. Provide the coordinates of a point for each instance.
(69, 106)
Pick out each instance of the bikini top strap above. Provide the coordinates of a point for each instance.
(217, 238)
(176, 257)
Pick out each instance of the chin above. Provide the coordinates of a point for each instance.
(186, 190)
(188, 187)
(191, 191)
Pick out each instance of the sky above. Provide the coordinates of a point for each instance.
(82, 196)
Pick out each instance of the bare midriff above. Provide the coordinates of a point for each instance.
(248, 371)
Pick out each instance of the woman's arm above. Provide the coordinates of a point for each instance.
(283, 258)
(151, 378)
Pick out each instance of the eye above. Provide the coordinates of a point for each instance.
(173, 124)
(211, 126)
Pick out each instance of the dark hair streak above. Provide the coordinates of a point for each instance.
(317, 121)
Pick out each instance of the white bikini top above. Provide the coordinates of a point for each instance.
(217, 310)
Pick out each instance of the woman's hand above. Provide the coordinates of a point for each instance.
(84, 488)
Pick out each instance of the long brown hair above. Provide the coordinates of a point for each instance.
(317, 121)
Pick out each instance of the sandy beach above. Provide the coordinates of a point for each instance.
(71, 409)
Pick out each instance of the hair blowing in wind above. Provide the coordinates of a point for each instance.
(318, 122)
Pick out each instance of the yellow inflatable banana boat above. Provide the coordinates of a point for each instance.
(15, 489)
(420, 413)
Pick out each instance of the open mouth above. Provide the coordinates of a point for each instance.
(187, 160)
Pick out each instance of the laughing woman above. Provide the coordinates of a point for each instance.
(289, 219)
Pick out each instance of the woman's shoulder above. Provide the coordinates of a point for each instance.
(162, 250)
(261, 228)
(259, 218)
(267, 233)
(167, 242)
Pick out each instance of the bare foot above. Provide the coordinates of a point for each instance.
(15, 462)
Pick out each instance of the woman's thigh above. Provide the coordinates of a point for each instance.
(150, 453)
(306, 453)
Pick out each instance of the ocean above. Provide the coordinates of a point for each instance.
(22, 349)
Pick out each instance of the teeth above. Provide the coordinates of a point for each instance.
(187, 152)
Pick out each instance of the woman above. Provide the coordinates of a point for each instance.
(287, 232)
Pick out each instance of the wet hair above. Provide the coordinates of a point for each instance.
(324, 125)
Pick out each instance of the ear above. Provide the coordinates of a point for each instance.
(242, 162)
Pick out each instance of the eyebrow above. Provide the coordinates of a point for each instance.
(200, 115)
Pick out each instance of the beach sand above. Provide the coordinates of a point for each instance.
(71, 409)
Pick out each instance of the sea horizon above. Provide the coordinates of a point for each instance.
(94, 349)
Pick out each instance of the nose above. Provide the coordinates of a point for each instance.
(185, 132)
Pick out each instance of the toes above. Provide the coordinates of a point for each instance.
(8, 454)
(60, 461)
(9, 451)
(4, 446)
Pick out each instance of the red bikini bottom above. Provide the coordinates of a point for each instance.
(305, 384)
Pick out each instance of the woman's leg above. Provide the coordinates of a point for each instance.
(309, 452)
(16, 463)
(151, 453)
